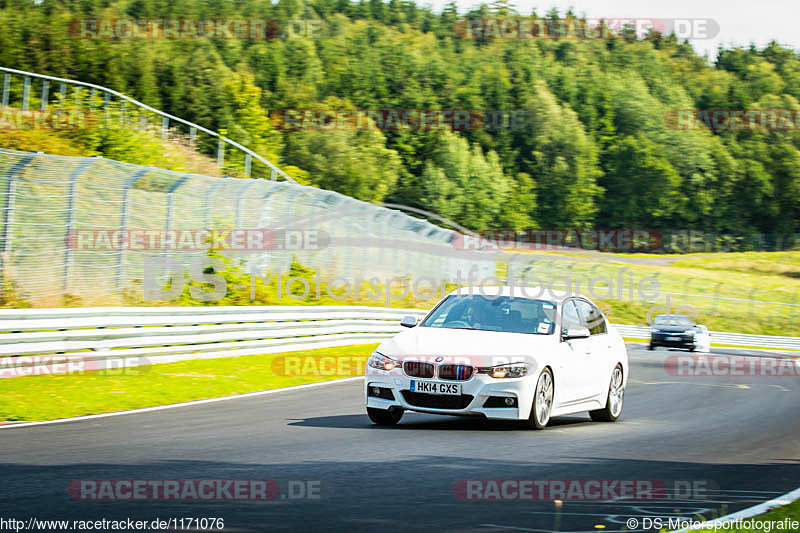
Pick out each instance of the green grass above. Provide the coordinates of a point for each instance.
(762, 263)
(114, 141)
(49, 397)
(777, 514)
(763, 276)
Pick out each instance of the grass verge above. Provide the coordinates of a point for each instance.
(745, 292)
(36, 398)
(774, 515)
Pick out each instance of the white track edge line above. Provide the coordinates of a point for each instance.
(182, 404)
(749, 512)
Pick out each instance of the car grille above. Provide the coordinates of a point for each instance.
(416, 369)
(682, 337)
(456, 372)
(437, 401)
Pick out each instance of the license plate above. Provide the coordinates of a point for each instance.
(435, 387)
(673, 338)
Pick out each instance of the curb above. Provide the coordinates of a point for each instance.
(750, 512)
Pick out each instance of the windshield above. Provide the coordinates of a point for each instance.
(502, 313)
(672, 320)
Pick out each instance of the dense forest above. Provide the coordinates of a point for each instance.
(595, 150)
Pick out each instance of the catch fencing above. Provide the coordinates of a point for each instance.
(28, 91)
(48, 204)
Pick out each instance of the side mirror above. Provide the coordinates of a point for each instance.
(408, 321)
(574, 333)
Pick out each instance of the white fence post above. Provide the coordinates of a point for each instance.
(123, 221)
(68, 258)
(45, 95)
(8, 212)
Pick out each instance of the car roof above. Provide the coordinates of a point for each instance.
(533, 292)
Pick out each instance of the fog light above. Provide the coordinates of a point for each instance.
(383, 393)
(500, 402)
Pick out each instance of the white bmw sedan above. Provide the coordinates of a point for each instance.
(501, 353)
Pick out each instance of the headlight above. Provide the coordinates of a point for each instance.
(515, 370)
(381, 362)
(689, 333)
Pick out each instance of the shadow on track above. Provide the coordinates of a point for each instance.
(433, 422)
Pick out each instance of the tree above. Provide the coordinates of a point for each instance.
(462, 184)
(641, 186)
(563, 161)
(355, 163)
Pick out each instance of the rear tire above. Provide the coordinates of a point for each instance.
(616, 393)
(651, 347)
(385, 417)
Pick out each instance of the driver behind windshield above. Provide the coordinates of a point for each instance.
(500, 314)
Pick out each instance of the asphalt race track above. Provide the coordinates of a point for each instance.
(738, 435)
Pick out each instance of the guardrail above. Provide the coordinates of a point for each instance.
(117, 336)
(105, 98)
(113, 337)
(724, 338)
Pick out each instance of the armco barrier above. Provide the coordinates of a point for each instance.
(132, 336)
(724, 338)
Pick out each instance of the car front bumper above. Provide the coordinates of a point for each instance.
(474, 395)
(672, 341)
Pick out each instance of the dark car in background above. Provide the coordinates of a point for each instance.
(679, 331)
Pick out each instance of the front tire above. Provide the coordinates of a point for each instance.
(384, 417)
(542, 401)
(651, 347)
(616, 393)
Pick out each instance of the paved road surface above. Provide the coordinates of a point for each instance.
(738, 435)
